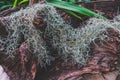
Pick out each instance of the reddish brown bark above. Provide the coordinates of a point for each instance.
(22, 66)
(105, 57)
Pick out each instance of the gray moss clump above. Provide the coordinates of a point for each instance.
(21, 29)
(71, 44)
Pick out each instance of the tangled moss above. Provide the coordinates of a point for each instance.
(71, 44)
(21, 29)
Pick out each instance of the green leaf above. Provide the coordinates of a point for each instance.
(23, 1)
(73, 14)
(71, 1)
(87, 0)
(75, 8)
(5, 6)
(9, 2)
(15, 3)
(2, 2)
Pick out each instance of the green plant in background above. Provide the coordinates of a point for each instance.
(11, 3)
(5, 4)
(68, 7)
(71, 0)
(23, 1)
(74, 8)
(17, 2)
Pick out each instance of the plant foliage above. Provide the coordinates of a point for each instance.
(74, 8)
(12, 3)
(5, 4)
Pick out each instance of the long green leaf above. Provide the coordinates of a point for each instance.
(5, 6)
(23, 1)
(73, 14)
(75, 8)
(2, 2)
(71, 1)
(15, 3)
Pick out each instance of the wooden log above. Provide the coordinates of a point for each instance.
(20, 67)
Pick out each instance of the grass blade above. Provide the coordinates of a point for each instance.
(71, 1)
(73, 14)
(15, 3)
(75, 8)
(5, 6)
(23, 1)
